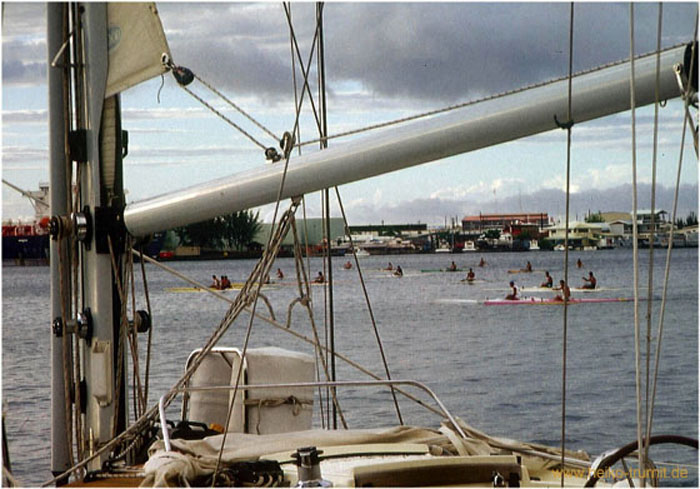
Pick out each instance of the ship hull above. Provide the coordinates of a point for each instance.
(25, 250)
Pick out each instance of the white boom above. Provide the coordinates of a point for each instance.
(524, 113)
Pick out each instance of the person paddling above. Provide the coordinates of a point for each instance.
(513, 296)
(389, 267)
(590, 281)
(482, 262)
(399, 271)
(225, 282)
(548, 281)
(347, 265)
(280, 275)
(319, 278)
(565, 292)
(470, 276)
(215, 284)
(453, 267)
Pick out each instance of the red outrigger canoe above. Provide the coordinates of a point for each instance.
(540, 301)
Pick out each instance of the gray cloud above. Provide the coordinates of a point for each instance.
(23, 43)
(24, 116)
(454, 51)
(551, 201)
(435, 52)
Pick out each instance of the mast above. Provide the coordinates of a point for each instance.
(106, 404)
(57, 31)
(95, 145)
(489, 122)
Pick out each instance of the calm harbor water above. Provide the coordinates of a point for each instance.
(498, 368)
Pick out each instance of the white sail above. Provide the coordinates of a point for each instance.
(136, 45)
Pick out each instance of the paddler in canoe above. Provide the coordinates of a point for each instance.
(565, 291)
(389, 267)
(452, 267)
(215, 284)
(548, 281)
(513, 296)
(482, 262)
(398, 272)
(528, 267)
(347, 265)
(280, 274)
(225, 283)
(470, 276)
(590, 281)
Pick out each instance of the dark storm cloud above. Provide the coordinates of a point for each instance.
(428, 51)
(453, 51)
(240, 47)
(432, 52)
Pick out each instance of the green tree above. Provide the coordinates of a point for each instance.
(240, 228)
(235, 230)
(597, 217)
(492, 233)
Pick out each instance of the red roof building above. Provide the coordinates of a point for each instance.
(482, 222)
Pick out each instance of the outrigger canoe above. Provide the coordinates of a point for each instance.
(573, 289)
(540, 301)
(234, 286)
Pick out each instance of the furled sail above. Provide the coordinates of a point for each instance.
(136, 45)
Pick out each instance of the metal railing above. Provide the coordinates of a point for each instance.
(346, 383)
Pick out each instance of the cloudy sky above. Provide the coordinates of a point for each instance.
(383, 61)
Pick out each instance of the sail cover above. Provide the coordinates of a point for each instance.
(136, 45)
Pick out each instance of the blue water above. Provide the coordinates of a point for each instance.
(498, 368)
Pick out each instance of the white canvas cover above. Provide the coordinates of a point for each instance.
(136, 45)
(277, 410)
(212, 406)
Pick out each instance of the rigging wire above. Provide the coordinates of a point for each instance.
(229, 121)
(238, 108)
(324, 403)
(150, 330)
(650, 283)
(261, 278)
(323, 131)
(369, 305)
(568, 126)
(635, 260)
(463, 104)
(660, 329)
(305, 72)
(276, 324)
